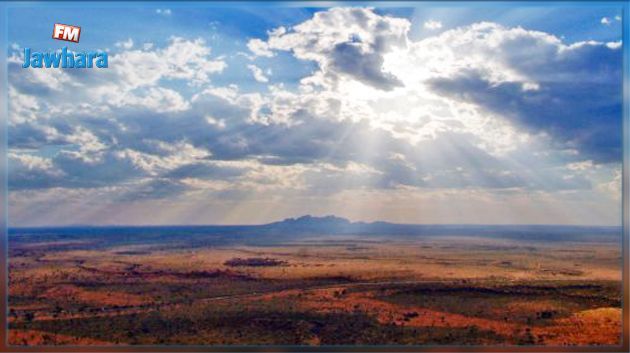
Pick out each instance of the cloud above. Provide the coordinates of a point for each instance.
(352, 51)
(432, 25)
(259, 48)
(163, 12)
(258, 73)
(480, 107)
(581, 82)
(158, 99)
(154, 189)
(31, 172)
(181, 59)
(207, 170)
(128, 44)
(88, 127)
(607, 21)
(134, 78)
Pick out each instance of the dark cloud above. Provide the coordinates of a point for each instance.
(348, 58)
(21, 178)
(155, 189)
(69, 169)
(205, 171)
(355, 50)
(450, 160)
(582, 115)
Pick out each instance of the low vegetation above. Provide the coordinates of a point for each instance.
(320, 291)
(254, 262)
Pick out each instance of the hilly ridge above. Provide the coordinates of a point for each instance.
(293, 229)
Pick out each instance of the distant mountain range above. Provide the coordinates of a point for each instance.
(292, 229)
(336, 225)
(309, 222)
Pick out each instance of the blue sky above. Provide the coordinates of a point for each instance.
(210, 113)
(574, 21)
(223, 26)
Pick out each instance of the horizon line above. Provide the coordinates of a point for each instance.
(115, 225)
(293, 218)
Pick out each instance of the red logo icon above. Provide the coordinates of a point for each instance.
(66, 32)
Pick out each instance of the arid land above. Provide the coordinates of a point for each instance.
(315, 290)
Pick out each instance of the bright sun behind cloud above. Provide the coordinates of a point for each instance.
(343, 111)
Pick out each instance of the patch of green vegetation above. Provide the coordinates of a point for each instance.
(526, 303)
(263, 327)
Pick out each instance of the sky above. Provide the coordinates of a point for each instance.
(450, 113)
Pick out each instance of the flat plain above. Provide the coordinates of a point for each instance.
(312, 289)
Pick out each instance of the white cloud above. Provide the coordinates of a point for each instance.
(606, 21)
(353, 51)
(164, 12)
(181, 59)
(432, 25)
(259, 48)
(613, 185)
(614, 45)
(158, 99)
(32, 162)
(53, 80)
(258, 73)
(24, 108)
(87, 142)
(220, 123)
(128, 44)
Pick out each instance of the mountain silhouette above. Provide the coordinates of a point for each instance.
(308, 223)
(291, 229)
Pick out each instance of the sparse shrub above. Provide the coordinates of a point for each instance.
(254, 262)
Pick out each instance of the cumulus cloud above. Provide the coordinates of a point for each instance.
(158, 99)
(31, 172)
(258, 73)
(432, 25)
(181, 59)
(580, 81)
(259, 48)
(135, 78)
(354, 50)
(89, 127)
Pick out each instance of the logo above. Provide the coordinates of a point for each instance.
(64, 58)
(66, 32)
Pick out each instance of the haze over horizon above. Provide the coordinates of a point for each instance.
(418, 114)
(322, 220)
